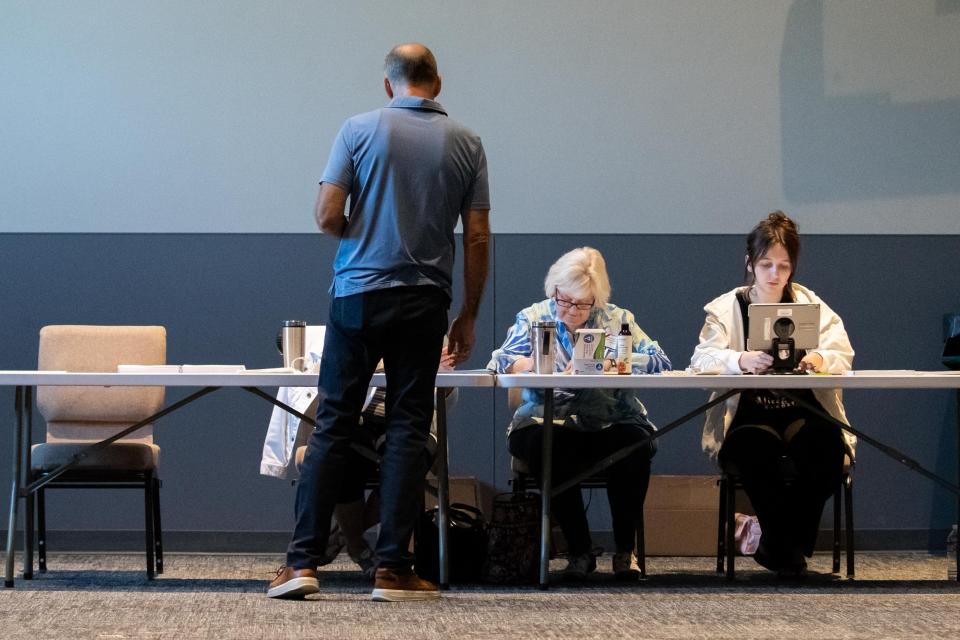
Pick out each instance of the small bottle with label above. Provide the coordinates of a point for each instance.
(624, 350)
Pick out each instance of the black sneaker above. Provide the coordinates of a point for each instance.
(766, 559)
(579, 566)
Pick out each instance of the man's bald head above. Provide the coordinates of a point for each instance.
(411, 64)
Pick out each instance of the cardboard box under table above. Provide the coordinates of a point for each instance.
(680, 515)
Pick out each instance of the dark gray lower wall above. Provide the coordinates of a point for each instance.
(222, 298)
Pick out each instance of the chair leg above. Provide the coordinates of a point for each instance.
(28, 524)
(721, 525)
(641, 547)
(848, 508)
(731, 525)
(836, 529)
(157, 529)
(42, 530)
(148, 521)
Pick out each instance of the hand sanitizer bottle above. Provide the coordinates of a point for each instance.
(624, 350)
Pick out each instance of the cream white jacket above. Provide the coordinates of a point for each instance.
(721, 343)
(284, 431)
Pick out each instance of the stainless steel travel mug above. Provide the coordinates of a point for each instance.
(544, 346)
(293, 344)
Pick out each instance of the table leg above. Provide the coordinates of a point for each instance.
(28, 512)
(15, 488)
(546, 488)
(443, 489)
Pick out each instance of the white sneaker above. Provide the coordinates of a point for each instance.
(579, 566)
(625, 566)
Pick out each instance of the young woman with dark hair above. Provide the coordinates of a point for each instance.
(788, 459)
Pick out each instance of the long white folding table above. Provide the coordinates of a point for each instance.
(725, 386)
(25, 381)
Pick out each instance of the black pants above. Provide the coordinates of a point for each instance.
(788, 474)
(576, 451)
(371, 435)
(359, 467)
(404, 326)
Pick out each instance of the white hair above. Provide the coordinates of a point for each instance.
(582, 274)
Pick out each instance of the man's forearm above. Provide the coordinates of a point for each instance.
(329, 212)
(332, 226)
(476, 248)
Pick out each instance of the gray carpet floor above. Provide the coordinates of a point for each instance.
(107, 596)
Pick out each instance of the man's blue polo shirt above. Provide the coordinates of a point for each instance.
(410, 172)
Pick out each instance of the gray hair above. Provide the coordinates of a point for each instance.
(410, 64)
(581, 273)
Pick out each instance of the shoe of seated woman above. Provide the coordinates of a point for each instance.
(579, 566)
(767, 559)
(794, 572)
(788, 564)
(625, 566)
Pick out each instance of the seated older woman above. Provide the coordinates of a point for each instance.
(591, 423)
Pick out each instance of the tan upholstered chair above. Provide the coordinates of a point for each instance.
(79, 416)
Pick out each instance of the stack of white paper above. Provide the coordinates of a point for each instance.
(180, 368)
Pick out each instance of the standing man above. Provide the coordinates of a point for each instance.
(410, 173)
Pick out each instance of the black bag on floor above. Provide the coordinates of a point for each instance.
(513, 547)
(467, 544)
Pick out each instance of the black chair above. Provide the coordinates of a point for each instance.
(146, 480)
(726, 550)
(524, 480)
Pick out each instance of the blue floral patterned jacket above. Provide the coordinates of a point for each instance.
(582, 409)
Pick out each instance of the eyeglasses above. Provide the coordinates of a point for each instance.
(567, 304)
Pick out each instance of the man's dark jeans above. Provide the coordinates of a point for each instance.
(405, 327)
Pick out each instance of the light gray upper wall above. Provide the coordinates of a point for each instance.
(680, 116)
